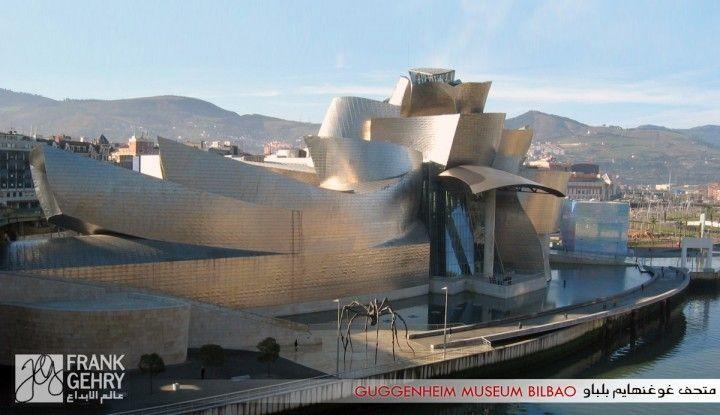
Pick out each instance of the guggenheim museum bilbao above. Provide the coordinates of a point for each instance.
(418, 191)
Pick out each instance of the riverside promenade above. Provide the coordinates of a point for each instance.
(468, 347)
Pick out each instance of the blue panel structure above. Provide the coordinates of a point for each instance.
(595, 227)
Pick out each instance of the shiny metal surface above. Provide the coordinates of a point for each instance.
(346, 116)
(448, 140)
(482, 178)
(253, 183)
(438, 98)
(345, 162)
(517, 243)
(126, 202)
(299, 172)
(542, 209)
(276, 234)
(380, 210)
(102, 250)
(512, 148)
(401, 94)
(256, 280)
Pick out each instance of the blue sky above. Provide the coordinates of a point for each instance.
(600, 62)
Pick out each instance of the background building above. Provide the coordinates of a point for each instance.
(16, 185)
(587, 183)
(713, 192)
(136, 146)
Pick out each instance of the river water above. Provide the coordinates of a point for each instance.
(685, 346)
(568, 285)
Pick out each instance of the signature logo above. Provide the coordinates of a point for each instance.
(39, 378)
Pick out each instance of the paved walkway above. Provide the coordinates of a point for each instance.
(361, 361)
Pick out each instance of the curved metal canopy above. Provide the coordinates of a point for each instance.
(481, 179)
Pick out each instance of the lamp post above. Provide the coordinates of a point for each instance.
(337, 348)
(445, 324)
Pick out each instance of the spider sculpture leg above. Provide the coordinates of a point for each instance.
(347, 333)
(407, 335)
(377, 339)
(393, 330)
(346, 314)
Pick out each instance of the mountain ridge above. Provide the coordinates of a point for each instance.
(175, 116)
(638, 155)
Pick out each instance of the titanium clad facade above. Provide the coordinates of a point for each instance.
(542, 209)
(375, 212)
(401, 94)
(437, 98)
(122, 201)
(512, 149)
(448, 140)
(125, 202)
(299, 172)
(346, 116)
(399, 191)
(252, 183)
(519, 248)
(348, 161)
(480, 179)
(239, 281)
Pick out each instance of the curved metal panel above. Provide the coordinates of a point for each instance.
(514, 145)
(432, 136)
(347, 161)
(401, 93)
(482, 178)
(518, 246)
(542, 209)
(127, 202)
(470, 97)
(476, 139)
(252, 183)
(346, 115)
(430, 98)
(101, 250)
(299, 172)
(438, 98)
(371, 212)
(448, 140)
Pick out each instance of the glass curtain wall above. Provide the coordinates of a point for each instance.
(455, 221)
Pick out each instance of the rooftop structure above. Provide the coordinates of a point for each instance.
(587, 183)
(422, 75)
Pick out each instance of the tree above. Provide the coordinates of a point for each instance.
(152, 364)
(269, 352)
(212, 355)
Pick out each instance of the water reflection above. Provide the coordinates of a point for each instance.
(683, 345)
(569, 285)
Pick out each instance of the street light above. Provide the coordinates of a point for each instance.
(445, 325)
(337, 348)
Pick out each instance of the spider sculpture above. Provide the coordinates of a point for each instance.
(372, 313)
